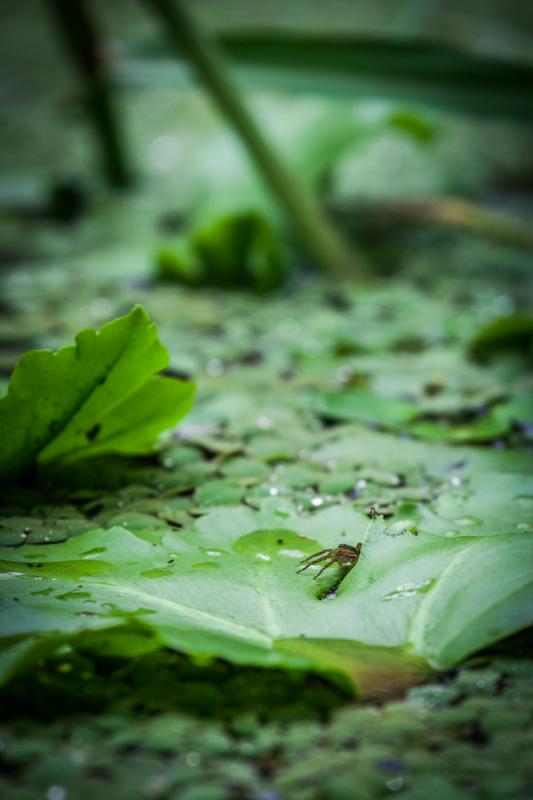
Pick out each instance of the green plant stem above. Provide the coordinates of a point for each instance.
(80, 37)
(449, 212)
(323, 243)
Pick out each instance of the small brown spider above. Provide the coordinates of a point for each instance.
(343, 554)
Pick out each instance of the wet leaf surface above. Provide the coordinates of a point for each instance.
(409, 394)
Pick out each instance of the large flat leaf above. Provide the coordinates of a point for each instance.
(487, 504)
(425, 72)
(98, 395)
(362, 406)
(229, 588)
(429, 73)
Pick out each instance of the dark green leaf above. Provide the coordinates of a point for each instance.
(395, 69)
(513, 334)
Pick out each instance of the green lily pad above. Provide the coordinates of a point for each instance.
(230, 588)
(486, 504)
(362, 406)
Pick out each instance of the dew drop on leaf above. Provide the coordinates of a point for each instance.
(408, 590)
(157, 573)
(467, 521)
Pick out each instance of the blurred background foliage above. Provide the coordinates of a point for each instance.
(197, 212)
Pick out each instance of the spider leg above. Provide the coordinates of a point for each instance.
(314, 561)
(326, 565)
(318, 555)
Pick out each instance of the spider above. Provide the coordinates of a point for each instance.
(343, 554)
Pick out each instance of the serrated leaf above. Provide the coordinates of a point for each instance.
(97, 396)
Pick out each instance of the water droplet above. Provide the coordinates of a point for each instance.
(361, 483)
(467, 521)
(395, 784)
(316, 502)
(56, 793)
(193, 759)
(400, 527)
(455, 480)
(101, 308)
(168, 462)
(78, 757)
(344, 373)
(94, 552)
(263, 557)
(264, 423)
(408, 590)
(74, 595)
(291, 553)
(156, 573)
(214, 553)
(214, 367)
(524, 526)
(273, 491)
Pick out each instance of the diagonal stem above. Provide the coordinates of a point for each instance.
(319, 237)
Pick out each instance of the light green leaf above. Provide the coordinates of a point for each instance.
(230, 589)
(96, 396)
(487, 504)
(239, 249)
(484, 594)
